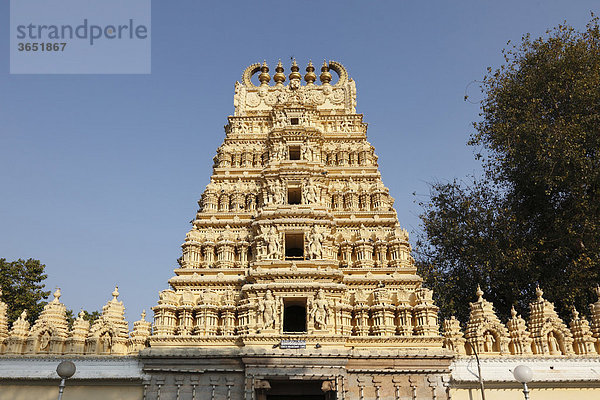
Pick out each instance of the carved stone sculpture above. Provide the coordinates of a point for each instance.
(267, 308)
(319, 311)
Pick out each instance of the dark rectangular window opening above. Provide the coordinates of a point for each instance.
(294, 121)
(294, 152)
(294, 315)
(294, 196)
(294, 246)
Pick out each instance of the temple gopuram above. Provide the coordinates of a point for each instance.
(296, 282)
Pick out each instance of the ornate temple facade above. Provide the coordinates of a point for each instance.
(296, 282)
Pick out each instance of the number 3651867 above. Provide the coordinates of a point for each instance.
(41, 46)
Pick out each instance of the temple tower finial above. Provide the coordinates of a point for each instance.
(264, 76)
(310, 76)
(325, 74)
(279, 76)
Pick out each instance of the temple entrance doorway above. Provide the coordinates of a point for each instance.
(297, 390)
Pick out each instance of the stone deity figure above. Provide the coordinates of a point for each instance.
(276, 195)
(553, 343)
(274, 154)
(489, 342)
(105, 342)
(310, 192)
(267, 195)
(315, 192)
(238, 98)
(307, 151)
(279, 196)
(267, 308)
(281, 151)
(45, 340)
(320, 311)
(273, 243)
(315, 244)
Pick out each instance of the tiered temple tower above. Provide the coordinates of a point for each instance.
(296, 252)
(296, 236)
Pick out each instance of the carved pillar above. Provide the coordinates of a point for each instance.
(224, 159)
(400, 253)
(426, 313)
(351, 201)
(242, 250)
(353, 158)
(404, 316)
(381, 253)
(225, 254)
(364, 254)
(361, 316)
(228, 319)
(244, 311)
(224, 202)
(186, 319)
(206, 319)
(338, 201)
(343, 158)
(246, 159)
(238, 202)
(394, 247)
(383, 316)
(331, 250)
(362, 157)
(209, 254)
(165, 319)
(326, 198)
(346, 317)
(192, 255)
(346, 249)
(185, 256)
(210, 202)
(261, 387)
(365, 201)
(378, 200)
(235, 159)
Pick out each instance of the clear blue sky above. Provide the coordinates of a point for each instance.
(99, 175)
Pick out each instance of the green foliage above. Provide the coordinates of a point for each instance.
(535, 215)
(91, 317)
(22, 287)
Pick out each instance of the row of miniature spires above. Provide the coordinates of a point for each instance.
(360, 254)
(279, 76)
(108, 335)
(340, 158)
(248, 317)
(338, 201)
(545, 334)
